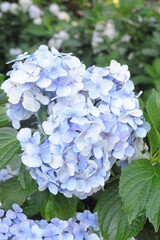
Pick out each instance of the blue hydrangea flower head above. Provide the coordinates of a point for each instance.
(92, 119)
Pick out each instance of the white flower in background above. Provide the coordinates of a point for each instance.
(35, 12)
(130, 56)
(110, 30)
(100, 26)
(74, 23)
(25, 4)
(37, 21)
(126, 38)
(122, 50)
(15, 51)
(5, 7)
(63, 16)
(14, 8)
(97, 36)
(54, 8)
(96, 39)
(58, 39)
(103, 29)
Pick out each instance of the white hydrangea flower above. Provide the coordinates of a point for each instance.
(25, 4)
(35, 12)
(37, 21)
(58, 39)
(63, 16)
(5, 7)
(14, 8)
(54, 8)
(110, 30)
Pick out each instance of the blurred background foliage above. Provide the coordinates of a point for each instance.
(96, 31)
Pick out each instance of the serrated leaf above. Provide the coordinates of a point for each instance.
(27, 182)
(11, 192)
(3, 117)
(112, 216)
(57, 206)
(9, 145)
(140, 190)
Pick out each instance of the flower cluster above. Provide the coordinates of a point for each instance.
(101, 30)
(15, 225)
(93, 119)
(35, 13)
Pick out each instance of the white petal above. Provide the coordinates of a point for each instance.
(19, 76)
(57, 161)
(44, 82)
(30, 104)
(106, 86)
(33, 161)
(141, 132)
(14, 95)
(96, 78)
(97, 152)
(63, 91)
(93, 93)
(24, 134)
(31, 149)
(53, 188)
(42, 99)
(129, 103)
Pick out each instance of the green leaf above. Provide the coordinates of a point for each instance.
(112, 216)
(156, 66)
(3, 116)
(42, 114)
(11, 192)
(150, 70)
(140, 190)
(57, 206)
(36, 30)
(141, 80)
(128, 5)
(1, 78)
(27, 182)
(31, 206)
(153, 110)
(9, 145)
(152, 135)
(149, 52)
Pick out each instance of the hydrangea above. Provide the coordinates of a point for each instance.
(93, 120)
(15, 225)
